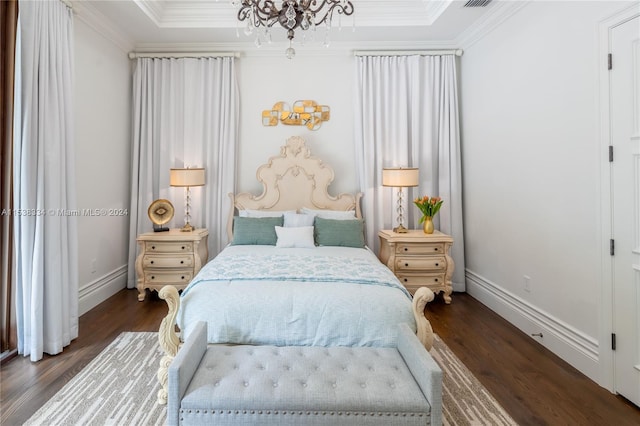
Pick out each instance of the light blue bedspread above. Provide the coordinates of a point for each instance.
(297, 267)
(323, 296)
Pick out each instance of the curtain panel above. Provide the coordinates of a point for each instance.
(407, 116)
(46, 241)
(185, 114)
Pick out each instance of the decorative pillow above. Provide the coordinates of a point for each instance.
(300, 237)
(255, 230)
(263, 213)
(339, 232)
(331, 214)
(292, 220)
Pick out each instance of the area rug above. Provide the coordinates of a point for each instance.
(119, 387)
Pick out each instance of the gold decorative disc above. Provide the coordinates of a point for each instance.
(161, 211)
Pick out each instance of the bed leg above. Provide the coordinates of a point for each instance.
(169, 340)
(421, 297)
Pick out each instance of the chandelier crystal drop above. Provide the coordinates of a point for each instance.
(290, 53)
(291, 15)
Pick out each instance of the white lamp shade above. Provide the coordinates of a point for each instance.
(400, 177)
(186, 177)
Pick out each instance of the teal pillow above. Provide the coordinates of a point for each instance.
(255, 230)
(344, 233)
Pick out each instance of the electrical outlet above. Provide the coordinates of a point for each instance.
(526, 281)
(93, 266)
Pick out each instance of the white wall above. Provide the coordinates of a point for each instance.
(103, 133)
(326, 79)
(531, 173)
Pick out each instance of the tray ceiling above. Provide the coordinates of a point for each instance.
(158, 22)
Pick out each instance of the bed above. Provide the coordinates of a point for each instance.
(296, 273)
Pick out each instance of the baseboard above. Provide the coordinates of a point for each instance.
(96, 292)
(573, 346)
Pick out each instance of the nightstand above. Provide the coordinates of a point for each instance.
(172, 257)
(419, 259)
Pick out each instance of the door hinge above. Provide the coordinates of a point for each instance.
(611, 153)
(612, 247)
(613, 341)
(609, 61)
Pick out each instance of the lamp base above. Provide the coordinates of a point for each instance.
(400, 229)
(187, 228)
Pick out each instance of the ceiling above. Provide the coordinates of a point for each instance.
(395, 23)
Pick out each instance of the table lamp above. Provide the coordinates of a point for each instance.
(399, 178)
(187, 178)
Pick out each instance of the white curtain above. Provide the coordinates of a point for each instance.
(407, 116)
(185, 114)
(44, 183)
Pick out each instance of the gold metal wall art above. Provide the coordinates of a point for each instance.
(304, 113)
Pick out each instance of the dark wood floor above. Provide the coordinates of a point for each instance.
(532, 384)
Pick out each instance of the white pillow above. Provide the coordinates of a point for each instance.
(293, 220)
(331, 214)
(262, 213)
(299, 237)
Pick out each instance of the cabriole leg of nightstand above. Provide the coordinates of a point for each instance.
(451, 265)
(447, 294)
(141, 293)
(140, 272)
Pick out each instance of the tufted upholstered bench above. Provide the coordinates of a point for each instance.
(304, 385)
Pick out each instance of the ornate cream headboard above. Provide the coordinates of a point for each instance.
(292, 180)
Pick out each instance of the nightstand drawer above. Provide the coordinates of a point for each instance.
(418, 248)
(168, 277)
(421, 280)
(432, 263)
(175, 261)
(169, 246)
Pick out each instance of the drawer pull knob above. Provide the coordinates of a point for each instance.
(436, 249)
(182, 247)
(437, 264)
(406, 264)
(406, 280)
(436, 280)
(153, 247)
(406, 249)
(152, 262)
(182, 277)
(152, 277)
(182, 262)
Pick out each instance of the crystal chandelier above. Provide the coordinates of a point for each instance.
(261, 15)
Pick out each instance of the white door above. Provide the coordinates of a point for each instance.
(625, 193)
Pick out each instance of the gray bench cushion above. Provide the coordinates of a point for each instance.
(272, 385)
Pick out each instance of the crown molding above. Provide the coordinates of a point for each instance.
(499, 13)
(87, 13)
(189, 14)
(435, 9)
(220, 14)
(398, 13)
(153, 9)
